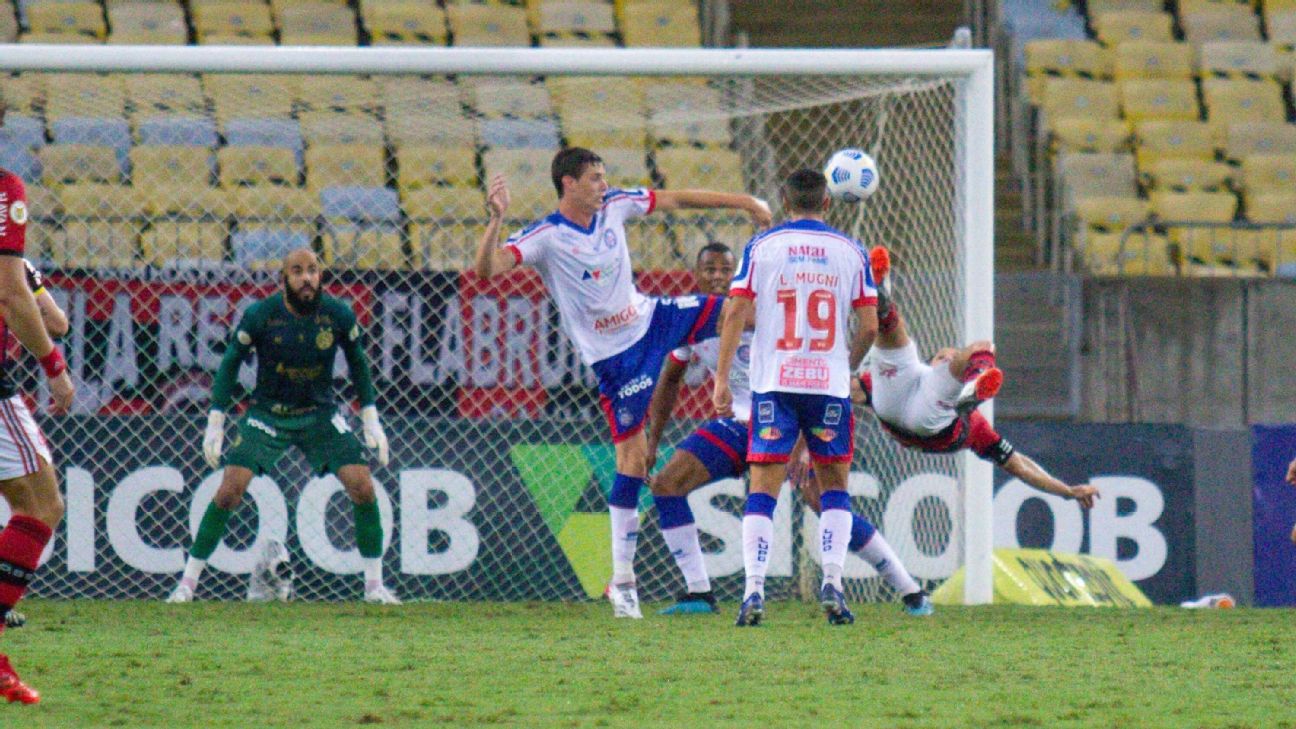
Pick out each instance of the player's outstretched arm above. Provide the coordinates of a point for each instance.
(667, 200)
(1023, 467)
(734, 316)
(1291, 472)
(492, 260)
(19, 309)
(663, 401)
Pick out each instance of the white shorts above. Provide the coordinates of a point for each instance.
(910, 394)
(21, 442)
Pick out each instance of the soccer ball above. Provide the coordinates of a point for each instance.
(852, 175)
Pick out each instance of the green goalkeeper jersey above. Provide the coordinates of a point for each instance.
(295, 356)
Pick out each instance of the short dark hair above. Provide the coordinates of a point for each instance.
(571, 161)
(805, 191)
(712, 247)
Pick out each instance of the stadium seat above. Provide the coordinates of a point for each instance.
(1220, 23)
(228, 39)
(24, 93)
(97, 229)
(333, 165)
(8, 23)
(687, 114)
(576, 40)
(64, 164)
(360, 204)
(686, 167)
(1263, 173)
(621, 121)
(1084, 175)
(20, 160)
(170, 243)
(528, 173)
(422, 166)
(1112, 254)
(1159, 139)
(317, 23)
(1119, 26)
(1281, 26)
(193, 131)
(1193, 6)
(444, 247)
(404, 23)
(487, 25)
(361, 227)
(519, 134)
(658, 24)
(448, 202)
(243, 166)
(1091, 135)
(575, 16)
(1208, 246)
(275, 206)
(1111, 214)
(516, 99)
(260, 248)
(242, 95)
(1067, 58)
(152, 94)
(151, 23)
(1153, 59)
(343, 94)
(83, 95)
(1272, 207)
(1247, 138)
(1187, 175)
(243, 18)
(43, 210)
(1066, 98)
(445, 127)
(190, 201)
(59, 38)
(1229, 101)
(626, 167)
(1240, 59)
(170, 165)
(284, 133)
(1153, 98)
(693, 231)
(328, 127)
(1277, 245)
(66, 18)
(21, 130)
(652, 248)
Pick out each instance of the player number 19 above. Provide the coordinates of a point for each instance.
(821, 316)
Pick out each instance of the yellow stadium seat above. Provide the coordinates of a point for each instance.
(1091, 135)
(488, 25)
(520, 99)
(1247, 138)
(42, 202)
(333, 165)
(443, 201)
(288, 207)
(1111, 254)
(1154, 98)
(165, 93)
(1200, 244)
(24, 93)
(652, 248)
(658, 24)
(166, 165)
(404, 23)
(194, 201)
(687, 114)
(327, 127)
(70, 18)
(349, 246)
(78, 163)
(98, 229)
(692, 232)
(572, 16)
(1281, 26)
(183, 243)
(316, 23)
(686, 167)
(576, 40)
(1120, 26)
(1193, 6)
(1230, 101)
(412, 94)
(1269, 172)
(230, 39)
(1220, 23)
(154, 22)
(8, 24)
(252, 166)
(621, 121)
(1111, 214)
(444, 247)
(231, 17)
(527, 171)
(1234, 59)
(626, 167)
(447, 127)
(1096, 7)
(1277, 209)
(251, 95)
(1159, 139)
(348, 94)
(1083, 175)
(423, 166)
(1153, 59)
(1067, 58)
(1188, 174)
(1066, 98)
(59, 38)
(84, 94)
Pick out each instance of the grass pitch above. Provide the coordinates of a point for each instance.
(128, 664)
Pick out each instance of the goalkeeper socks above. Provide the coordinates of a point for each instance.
(681, 537)
(861, 532)
(834, 534)
(21, 543)
(373, 572)
(623, 509)
(210, 531)
(368, 529)
(758, 537)
(978, 362)
(879, 554)
(192, 571)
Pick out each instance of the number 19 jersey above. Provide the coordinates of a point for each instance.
(805, 278)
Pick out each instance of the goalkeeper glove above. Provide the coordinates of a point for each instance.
(374, 436)
(214, 437)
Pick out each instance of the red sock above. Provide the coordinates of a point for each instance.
(888, 321)
(21, 544)
(977, 363)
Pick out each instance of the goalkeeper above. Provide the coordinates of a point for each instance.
(296, 333)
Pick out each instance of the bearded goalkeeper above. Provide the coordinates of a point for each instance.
(296, 333)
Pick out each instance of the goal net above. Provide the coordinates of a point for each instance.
(165, 185)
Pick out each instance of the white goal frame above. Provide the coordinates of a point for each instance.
(973, 71)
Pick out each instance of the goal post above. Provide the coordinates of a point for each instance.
(155, 273)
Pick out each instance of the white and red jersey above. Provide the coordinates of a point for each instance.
(707, 353)
(805, 278)
(13, 214)
(588, 273)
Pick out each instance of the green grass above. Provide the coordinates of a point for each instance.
(108, 664)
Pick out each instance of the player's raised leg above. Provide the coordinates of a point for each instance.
(215, 519)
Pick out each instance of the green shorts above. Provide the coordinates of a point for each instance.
(326, 439)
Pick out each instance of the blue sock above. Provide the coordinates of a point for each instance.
(861, 532)
(673, 511)
(758, 503)
(834, 500)
(625, 491)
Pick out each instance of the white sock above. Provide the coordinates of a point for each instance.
(192, 571)
(758, 538)
(372, 572)
(834, 538)
(687, 551)
(879, 554)
(625, 536)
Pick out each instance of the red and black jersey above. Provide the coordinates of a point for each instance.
(13, 214)
(969, 430)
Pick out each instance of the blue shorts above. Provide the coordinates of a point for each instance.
(778, 417)
(626, 380)
(721, 446)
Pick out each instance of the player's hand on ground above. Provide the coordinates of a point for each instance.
(1291, 472)
(761, 214)
(497, 196)
(61, 390)
(722, 399)
(1085, 494)
(373, 433)
(214, 438)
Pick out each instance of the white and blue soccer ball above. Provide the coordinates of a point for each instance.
(852, 175)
